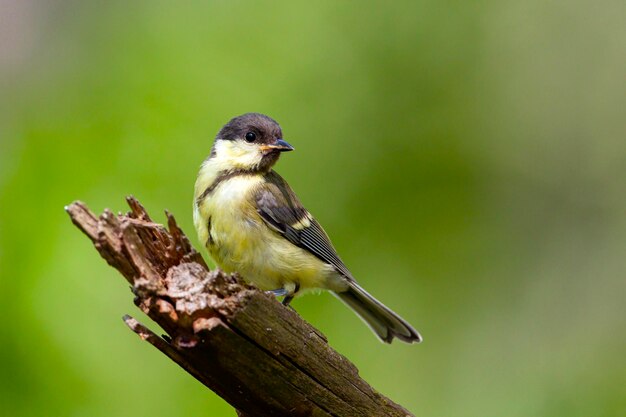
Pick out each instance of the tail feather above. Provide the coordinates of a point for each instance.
(384, 322)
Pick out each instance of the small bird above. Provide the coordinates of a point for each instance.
(252, 223)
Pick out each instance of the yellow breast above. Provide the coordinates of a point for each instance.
(239, 240)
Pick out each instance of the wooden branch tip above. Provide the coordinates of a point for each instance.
(258, 355)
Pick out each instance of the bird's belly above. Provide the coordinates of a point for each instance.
(238, 240)
(265, 258)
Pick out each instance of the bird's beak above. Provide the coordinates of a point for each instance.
(280, 146)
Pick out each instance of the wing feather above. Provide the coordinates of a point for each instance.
(281, 210)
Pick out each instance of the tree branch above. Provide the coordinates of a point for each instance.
(258, 355)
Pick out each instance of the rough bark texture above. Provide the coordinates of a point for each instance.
(243, 344)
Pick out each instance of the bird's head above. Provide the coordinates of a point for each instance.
(250, 142)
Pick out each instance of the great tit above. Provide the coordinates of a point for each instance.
(252, 223)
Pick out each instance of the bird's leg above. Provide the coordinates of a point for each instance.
(288, 291)
(291, 294)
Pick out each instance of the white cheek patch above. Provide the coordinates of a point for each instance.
(231, 154)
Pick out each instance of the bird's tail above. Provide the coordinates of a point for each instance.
(384, 322)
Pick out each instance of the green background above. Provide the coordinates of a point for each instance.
(468, 159)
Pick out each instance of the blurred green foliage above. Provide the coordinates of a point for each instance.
(467, 158)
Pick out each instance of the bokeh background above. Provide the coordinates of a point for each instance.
(467, 158)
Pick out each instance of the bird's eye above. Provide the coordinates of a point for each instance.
(250, 137)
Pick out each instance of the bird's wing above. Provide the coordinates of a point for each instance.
(279, 207)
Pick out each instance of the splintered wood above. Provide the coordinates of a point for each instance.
(241, 343)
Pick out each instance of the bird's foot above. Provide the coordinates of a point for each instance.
(289, 297)
(288, 293)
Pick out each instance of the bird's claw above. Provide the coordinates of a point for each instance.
(284, 292)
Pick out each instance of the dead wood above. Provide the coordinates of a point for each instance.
(258, 355)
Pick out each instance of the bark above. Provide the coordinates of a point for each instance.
(256, 354)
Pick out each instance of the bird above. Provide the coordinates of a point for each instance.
(252, 223)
